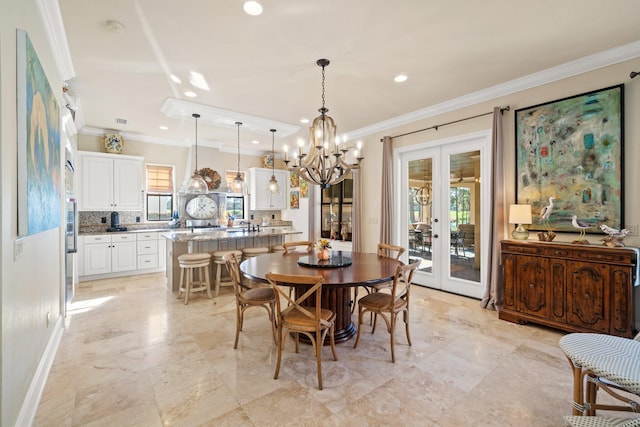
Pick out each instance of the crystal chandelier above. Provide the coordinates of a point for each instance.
(325, 163)
(196, 183)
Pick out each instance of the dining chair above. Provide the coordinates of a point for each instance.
(384, 250)
(247, 297)
(592, 421)
(390, 305)
(294, 246)
(299, 317)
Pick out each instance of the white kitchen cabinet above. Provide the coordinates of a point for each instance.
(148, 256)
(260, 198)
(106, 253)
(110, 182)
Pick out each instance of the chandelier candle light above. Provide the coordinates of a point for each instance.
(196, 183)
(520, 214)
(325, 163)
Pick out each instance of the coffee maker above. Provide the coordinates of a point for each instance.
(115, 223)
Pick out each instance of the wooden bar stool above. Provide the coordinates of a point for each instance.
(195, 265)
(251, 252)
(218, 260)
(277, 248)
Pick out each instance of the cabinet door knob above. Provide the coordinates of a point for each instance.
(531, 285)
(587, 296)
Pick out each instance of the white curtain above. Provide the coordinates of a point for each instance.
(493, 297)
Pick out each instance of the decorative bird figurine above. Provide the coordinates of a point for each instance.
(545, 213)
(582, 226)
(614, 236)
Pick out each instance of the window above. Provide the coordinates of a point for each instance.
(336, 206)
(159, 192)
(460, 206)
(235, 201)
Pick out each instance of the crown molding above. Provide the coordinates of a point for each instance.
(54, 28)
(569, 69)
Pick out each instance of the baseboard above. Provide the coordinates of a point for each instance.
(32, 399)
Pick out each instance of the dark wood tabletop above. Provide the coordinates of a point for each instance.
(365, 269)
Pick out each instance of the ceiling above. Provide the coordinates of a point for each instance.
(262, 70)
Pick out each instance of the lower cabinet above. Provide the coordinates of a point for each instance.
(117, 254)
(575, 288)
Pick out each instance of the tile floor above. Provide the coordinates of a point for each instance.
(133, 355)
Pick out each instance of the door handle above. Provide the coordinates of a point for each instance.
(435, 236)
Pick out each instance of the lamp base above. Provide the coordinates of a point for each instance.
(520, 233)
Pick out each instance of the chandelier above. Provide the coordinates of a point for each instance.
(324, 164)
(423, 194)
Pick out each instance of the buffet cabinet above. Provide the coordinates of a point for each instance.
(576, 288)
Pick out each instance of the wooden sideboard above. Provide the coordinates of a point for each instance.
(576, 288)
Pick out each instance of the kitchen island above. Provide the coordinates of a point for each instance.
(192, 241)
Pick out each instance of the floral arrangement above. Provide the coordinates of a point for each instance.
(323, 244)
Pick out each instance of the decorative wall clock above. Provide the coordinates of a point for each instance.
(113, 143)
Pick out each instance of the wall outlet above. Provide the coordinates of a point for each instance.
(103, 219)
(137, 219)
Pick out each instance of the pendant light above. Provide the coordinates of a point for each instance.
(273, 187)
(196, 183)
(237, 185)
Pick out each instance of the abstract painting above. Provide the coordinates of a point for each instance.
(39, 168)
(304, 188)
(572, 149)
(295, 181)
(294, 200)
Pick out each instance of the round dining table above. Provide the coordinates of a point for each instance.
(363, 269)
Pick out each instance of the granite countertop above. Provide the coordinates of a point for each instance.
(234, 233)
(164, 227)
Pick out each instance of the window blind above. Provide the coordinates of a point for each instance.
(159, 179)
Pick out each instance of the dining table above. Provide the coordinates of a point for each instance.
(343, 271)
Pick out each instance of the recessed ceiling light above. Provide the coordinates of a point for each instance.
(255, 141)
(114, 26)
(304, 120)
(400, 78)
(164, 127)
(252, 8)
(175, 78)
(190, 94)
(197, 80)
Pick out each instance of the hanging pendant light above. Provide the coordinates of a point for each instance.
(325, 163)
(237, 185)
(196, 183)
(273, 187)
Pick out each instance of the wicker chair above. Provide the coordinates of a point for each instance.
(312, 321)
(388, 306)
(587, 421)
(247, 297)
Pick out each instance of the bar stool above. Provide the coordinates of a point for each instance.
(251, 252)
(277, 248)
(219, 262)
(194, 264)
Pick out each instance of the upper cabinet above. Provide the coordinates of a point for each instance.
(261, 199)
(110, 182)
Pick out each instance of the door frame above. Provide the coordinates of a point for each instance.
(480, 140)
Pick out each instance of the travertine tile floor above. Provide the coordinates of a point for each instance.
(134, 355)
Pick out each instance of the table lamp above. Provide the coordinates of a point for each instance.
(520, 214)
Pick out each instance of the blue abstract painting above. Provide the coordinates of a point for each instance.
(39, 166)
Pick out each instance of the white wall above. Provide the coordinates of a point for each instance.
(28, 294)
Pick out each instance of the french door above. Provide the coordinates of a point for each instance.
(442, 211)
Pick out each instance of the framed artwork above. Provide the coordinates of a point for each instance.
(295, 180)
(294, 199)
(267, 161)
(304, 188)
(40, 177)
(572, 150)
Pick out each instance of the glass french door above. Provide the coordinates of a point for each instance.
(442, 212)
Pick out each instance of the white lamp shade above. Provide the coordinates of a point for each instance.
(520, 214)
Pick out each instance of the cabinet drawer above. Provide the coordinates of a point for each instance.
(148, 247)
(147, 236)
(123, 238)
(99, 238)
(147, 261)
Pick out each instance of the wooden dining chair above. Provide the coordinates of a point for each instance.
(299, 317)
(294, 246)
(247, 297)
(389, 305)
(384, 250)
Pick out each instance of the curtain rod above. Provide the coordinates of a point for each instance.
(507, 108)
